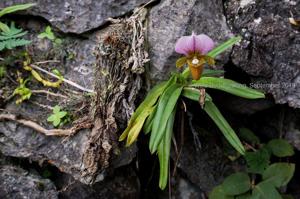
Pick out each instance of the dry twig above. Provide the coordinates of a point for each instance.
(40, 129)
(64, 80)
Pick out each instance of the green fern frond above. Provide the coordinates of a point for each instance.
(12, 38)
(12, 43)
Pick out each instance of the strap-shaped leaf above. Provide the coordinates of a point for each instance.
(149, 121)
(164, 152)
(214, 113)
(15, 8)
(149, 101)
(218, 50)
(166, 105)
(210, 72)
(224, 46)
(137, 126)
(228, 86)
(193, 94)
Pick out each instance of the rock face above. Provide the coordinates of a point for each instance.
(169, 20)
(205, 167)
(270, 48)
(121, 184)
(76, 58)
(72, 16)
(18, 183)
(104, 60)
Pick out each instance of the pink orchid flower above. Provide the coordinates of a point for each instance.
(195, 48)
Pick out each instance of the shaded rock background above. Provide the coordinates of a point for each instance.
(16, 182)
(271, 46)
(268, 58)
(73, 16)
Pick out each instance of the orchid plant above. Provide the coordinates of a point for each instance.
(156, 114)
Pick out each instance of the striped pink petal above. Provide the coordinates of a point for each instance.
(194, 43)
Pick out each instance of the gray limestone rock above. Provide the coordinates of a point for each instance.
(170, 20)
(18, 183)
(75, 58)
(270, 48)
(72, 16)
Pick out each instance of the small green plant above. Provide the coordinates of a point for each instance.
(23, 92)
(11, 37)
(49, 35)
(261, 179)
(156, 114)
(58, 117)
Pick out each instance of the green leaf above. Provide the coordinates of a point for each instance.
(149, 101)
(214, 113)
(257, 161)
(166, 105)
(12, 32)
(51, 118)
(248, 136)
(4, 27)
(237, 183)
(228, 86)
(48, 30)
(57, 117)
(280, 148)
(47, 34)
(62, 114)
(224, 46)
(56, 122)
(209, 73)
(149, 121)
(15, 8)
(164, 151)
(265, 190)
(279, 174)
(11, 38)
(193, 94)
(218, 50)
(137, 126)
(218, 193)
(56, 109)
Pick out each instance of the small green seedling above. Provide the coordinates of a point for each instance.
(11, 37)
(22, 91)
(49, 35)
(58, 117)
